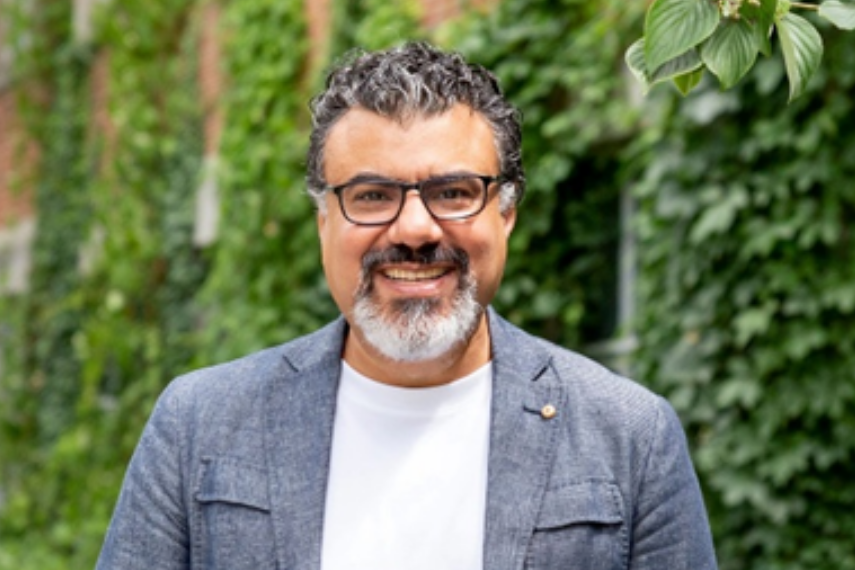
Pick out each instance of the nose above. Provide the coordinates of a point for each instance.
(415, 226)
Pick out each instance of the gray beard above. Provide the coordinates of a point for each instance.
(413, 330)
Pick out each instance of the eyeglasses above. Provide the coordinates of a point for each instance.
(378, 201)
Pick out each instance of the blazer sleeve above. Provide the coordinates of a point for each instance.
(149, 527)
(670, 527)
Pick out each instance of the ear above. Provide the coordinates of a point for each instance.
(321, 220)
(510, 220)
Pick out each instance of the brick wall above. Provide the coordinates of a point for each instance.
(435, 12)
(14, 206)
(210, 76)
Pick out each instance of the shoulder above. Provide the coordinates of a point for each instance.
(526, 351)
(609, 427)
(222, 410)
(594, 392)
(614, 403)
(596, 382)
(232, 385)
(238, 378)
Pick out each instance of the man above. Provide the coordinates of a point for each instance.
(419, 430)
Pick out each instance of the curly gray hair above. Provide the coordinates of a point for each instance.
(415, 79)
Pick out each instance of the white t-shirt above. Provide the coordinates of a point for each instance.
(408, 475)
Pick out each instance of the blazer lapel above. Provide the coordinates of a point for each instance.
(526, 413)
(300, 411)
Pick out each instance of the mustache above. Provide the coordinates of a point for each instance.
(425, 255)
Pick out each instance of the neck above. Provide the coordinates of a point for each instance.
(458, 362)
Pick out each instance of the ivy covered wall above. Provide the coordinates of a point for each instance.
(748, 306)
(111, 308)
(746, 271)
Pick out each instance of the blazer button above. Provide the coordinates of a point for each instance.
(548, 412)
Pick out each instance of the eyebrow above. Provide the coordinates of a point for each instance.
(368, 176)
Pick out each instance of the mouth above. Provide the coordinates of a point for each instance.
(402, 272)
(415, 275)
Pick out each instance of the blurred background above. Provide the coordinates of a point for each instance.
(153, 220)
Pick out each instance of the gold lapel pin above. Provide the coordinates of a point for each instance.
(548, 412)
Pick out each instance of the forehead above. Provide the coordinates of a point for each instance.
(422, 146)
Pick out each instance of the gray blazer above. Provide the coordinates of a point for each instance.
(231, 469)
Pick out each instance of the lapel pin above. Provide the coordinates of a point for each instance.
(548, 412)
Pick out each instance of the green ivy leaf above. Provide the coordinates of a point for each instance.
(731, 51)
(841, 13)
(688, 81)
(683, 64)
(802, 47)
(673, 27)
(752, 323)
(761, 17)
(719, 218)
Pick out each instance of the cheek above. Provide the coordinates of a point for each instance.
(342, 251)
(491, 246)
(488, 261)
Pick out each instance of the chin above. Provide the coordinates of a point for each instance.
(416, 329)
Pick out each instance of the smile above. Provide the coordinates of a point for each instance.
(398, 274)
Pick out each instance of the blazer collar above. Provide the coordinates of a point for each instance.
(299, 436)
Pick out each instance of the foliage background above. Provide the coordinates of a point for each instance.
(746, 285)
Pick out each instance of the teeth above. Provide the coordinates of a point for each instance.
(411, 275)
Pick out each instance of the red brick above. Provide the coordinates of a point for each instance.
(16, 156)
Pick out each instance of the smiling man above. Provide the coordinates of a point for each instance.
(419, 430)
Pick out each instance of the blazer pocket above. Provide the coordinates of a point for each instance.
(229, 480)
(587, 502)
(580, 525)
(233, 526)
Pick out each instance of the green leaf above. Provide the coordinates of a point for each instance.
(761, 17)
(720, 217)
(680, 65)
(802, 47)
(683, 64)
(752, 323)
(730, 52)
(841, 13)
(634, 58)
(688, 81)
(673, 27)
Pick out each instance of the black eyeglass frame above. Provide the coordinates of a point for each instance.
(406, 187)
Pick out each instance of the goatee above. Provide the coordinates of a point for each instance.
(412, 330)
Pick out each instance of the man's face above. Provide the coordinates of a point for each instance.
(416, 279)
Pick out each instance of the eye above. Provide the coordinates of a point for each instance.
(455, 191)
(452, 193)
(370, 196)
(371, 193)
